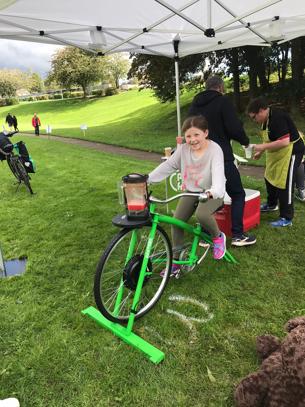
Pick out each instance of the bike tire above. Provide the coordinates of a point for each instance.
(12, 167)
(115, 272)
(23, 175)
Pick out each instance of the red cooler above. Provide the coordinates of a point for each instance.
(251, 212)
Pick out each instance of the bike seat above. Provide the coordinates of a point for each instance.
(122, 221)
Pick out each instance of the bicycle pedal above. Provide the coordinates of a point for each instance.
(176, 275)
(188, 269)
(206, 247)
(204, 244)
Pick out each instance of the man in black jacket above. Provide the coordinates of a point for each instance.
(225, 126)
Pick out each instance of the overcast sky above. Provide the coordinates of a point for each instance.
(26, 55)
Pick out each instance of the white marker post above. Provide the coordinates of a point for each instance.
(2, 265)
(48, 130)
(84, 127)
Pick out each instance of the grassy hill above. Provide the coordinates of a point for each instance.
(131, 119)
(134, 119)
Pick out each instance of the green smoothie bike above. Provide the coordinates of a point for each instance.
(135, 267)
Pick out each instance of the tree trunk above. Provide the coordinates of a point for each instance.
(279, 72)
(285, 52)
(261, 71)
(297, 62)
(85, 90)
(236, 82)
(251, 57)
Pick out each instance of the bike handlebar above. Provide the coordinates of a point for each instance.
(11, 133)
(202, 197)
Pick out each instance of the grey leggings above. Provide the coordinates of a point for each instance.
(204, 215)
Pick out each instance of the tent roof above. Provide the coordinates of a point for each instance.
(150, 26)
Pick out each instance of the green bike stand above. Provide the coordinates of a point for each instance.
(154, 354)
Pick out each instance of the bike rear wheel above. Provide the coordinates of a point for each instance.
(20, 173)
(118, 271)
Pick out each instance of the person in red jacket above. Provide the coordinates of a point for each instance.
(36, 123)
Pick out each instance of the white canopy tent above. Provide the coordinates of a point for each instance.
(172, 28)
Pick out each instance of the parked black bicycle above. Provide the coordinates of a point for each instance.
(18, 159)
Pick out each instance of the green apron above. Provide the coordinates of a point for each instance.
(277, 162)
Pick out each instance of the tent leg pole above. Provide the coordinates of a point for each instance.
(178, 97)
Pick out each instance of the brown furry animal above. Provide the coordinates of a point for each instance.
(280, 382)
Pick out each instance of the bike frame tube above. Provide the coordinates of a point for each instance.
(189, 228)
(132, 244)
(178, 223)
(194, 230)
(143, 273)
(193, 258)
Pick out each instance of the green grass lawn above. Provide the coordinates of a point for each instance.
(53, 356)
(132, 119)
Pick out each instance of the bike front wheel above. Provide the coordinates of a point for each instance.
(119, 268)
(12, 167)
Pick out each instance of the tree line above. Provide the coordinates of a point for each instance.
(256, 66)
(70, 67)
(277, 70)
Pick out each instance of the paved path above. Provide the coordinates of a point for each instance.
(247, 170)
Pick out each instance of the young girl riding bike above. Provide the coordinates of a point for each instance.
(201, 164)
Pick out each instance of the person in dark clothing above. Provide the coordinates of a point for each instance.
(15, 123)
(225, 126)
(9, 120)
(284, 149)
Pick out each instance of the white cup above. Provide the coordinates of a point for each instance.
(249, 151)
(167, 151)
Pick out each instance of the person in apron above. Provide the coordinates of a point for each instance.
(284, 152)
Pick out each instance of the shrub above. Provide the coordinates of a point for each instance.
(111, 91)
(11, 101)
(43, 97)
(77, 94)
(66, 95)
(56, 96)
(98, 93)
(32, 99)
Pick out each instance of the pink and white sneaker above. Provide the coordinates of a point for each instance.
(219, 246)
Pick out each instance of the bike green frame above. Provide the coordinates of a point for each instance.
(125, 333)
